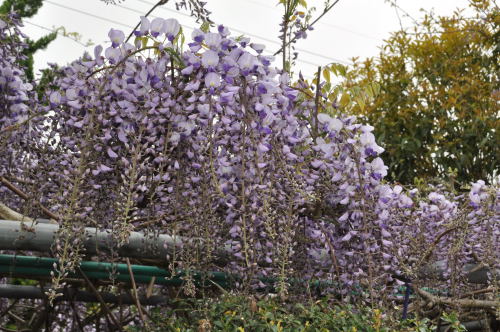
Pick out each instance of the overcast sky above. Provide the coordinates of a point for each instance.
(353, 28)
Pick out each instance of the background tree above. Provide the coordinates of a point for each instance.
(28, 8)
(437, 109)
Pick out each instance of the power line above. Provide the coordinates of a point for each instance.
(137, 11)
(55, 30)
(254, 35)
(89, 14)
(322, 22)
(154, 16)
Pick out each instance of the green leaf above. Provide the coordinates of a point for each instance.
(205, 27)
(326, 74)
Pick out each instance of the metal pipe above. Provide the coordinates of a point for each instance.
(73, 294)
(15, 235)
(87, 266)
(16, 266)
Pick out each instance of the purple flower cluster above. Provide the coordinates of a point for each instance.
(15, 92)
(215, 144)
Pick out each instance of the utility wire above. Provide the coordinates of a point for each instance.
(321, 23)
(137, 11)
(192, 28)
(55, 30)
(254, 35)
(89, 14)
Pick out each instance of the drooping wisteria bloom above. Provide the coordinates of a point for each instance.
(333, 124)
(213, 40)
(198, 35)
(144, 28)
(113, 54)
(55, 98)
(259, 48)
(212, 80)
(171, 28)
(222, 145)
(117, 37)
(156, 26)
(246, 62)
(209, 59)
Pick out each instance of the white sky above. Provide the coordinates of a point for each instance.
(352, 28)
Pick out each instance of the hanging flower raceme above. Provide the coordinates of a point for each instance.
(210, 142)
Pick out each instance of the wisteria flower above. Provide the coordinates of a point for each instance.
(171, 28)
(212, 80)
(144, 28)
(116, 36)
(157, 26)
(209, 59)
(213, 40)
(198, 35)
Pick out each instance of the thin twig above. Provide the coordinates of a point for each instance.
(76, 317)
(99, 297)
(479, 291)
(332, 251)
(461, 303)
(8, 308)
(19, 124)
(24, 196)
(316, 103)
(429, 251)
(160, 3)
(149, 290)
(114, 67)
(136, 295)
(16, 317)
(92, 317)
(326, 10)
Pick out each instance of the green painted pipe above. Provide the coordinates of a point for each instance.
(42, 272)
(14, 265)
(40, 266)
(48, 263)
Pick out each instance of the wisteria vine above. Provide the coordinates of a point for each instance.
(211, 142)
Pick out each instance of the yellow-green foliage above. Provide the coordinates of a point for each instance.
(438, 105)
(244, 314)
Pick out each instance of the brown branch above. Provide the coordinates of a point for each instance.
(316, 104)
(101, 300)
(160, 3)
(136, 295)
(428, 253)
(114, 67)
(326, 10)
(332, 251)
(479, 291)
(24, 196)
(464, 303)
(9, 214)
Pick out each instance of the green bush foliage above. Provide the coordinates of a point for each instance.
(438, 105)
(243, 314)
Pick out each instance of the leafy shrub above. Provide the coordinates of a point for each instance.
(239, 313)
